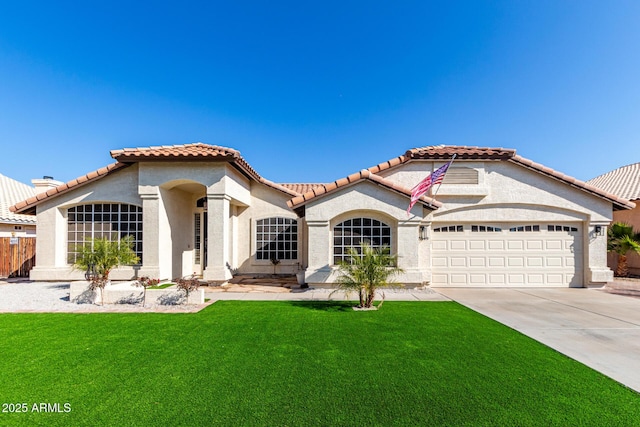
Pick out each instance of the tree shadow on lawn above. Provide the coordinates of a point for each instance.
(330, 306)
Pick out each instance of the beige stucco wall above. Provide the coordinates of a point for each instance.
(168, 192)
(364, 199)
(505, 192)
(51, 246)
(266, 202)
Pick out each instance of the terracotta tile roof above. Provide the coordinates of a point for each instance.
(301, 188)
(280, 187)
(446, 152)
(623, 182)
(127, 156)
(364, 174)
(11, 192)
(196, 151)
(28, 206)
(618, 202)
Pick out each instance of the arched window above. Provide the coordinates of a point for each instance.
(277, 238)
(352, 232)
(111, 220)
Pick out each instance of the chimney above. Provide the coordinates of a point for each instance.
(44, 184)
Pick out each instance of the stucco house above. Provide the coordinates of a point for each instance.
(498, 219)
(13, 224)
(623, 182)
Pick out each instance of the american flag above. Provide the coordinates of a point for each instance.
(423, 186)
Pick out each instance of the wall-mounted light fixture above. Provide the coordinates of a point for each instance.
(423, 233)
(598, 230)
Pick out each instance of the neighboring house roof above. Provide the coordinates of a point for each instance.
(12, 191)
(444, 152)
(128, 156)
(363, 175)
(624, 182)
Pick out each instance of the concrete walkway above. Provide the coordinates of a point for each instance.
(598, 329)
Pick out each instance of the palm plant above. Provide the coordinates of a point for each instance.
(98, 257)
(621, 240)
(366, 272)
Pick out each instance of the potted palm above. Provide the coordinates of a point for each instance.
(98, 257)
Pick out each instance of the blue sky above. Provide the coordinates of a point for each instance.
(313, 91)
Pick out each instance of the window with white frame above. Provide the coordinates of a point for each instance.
(277, 238)
(111, 220)
(353, 232)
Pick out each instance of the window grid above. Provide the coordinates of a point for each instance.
(524, 228)
(561, 228)
(353, 232)
(110, 220)
(196, 234)
(277, 238)
(449, 229)
(484, 229)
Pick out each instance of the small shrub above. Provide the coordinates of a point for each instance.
(187, 284)
(146, 282)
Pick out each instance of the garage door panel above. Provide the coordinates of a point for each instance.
(516, 279)
(535, 261)
(535, 256)
(477, 245)
(458, 261)
(458, 279)
(516, 245)
(515, 262)
(535, 279)
(497, 279)
(554, 245)
(553, 261)
(458, 245)
(497, 261)
(495, 245)
(555, 279)
(535, 245)
(478, 279)
(477, 262)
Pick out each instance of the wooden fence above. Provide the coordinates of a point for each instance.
(17, 256)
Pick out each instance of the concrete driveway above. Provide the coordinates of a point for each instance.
(598, 329)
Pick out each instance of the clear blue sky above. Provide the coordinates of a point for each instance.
(313, 91)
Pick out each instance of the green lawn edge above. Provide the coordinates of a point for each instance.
(297, 363)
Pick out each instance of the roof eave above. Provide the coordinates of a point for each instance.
(28, 206)
(617, 202)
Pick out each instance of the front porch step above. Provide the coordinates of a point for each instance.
(283, 281)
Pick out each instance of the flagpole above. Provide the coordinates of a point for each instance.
(439, 185)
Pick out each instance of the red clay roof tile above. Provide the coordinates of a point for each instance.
(364, 174)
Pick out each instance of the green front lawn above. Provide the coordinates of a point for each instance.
(297, 363)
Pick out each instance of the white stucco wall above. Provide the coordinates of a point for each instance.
(51, 245)
(266, 202)
(364, 199)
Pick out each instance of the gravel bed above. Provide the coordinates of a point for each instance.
(53, 297)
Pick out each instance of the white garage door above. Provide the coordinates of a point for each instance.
(507, 254)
